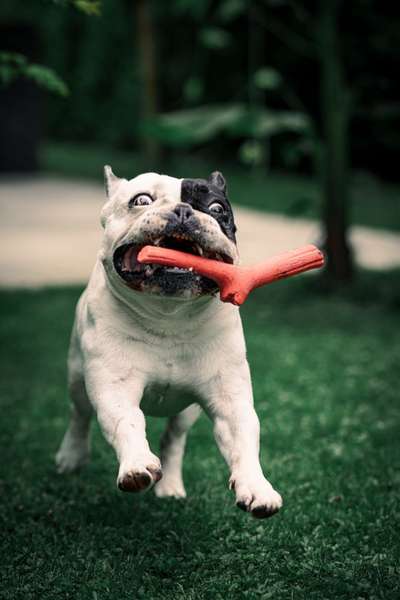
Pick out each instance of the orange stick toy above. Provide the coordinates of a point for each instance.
(235, 282)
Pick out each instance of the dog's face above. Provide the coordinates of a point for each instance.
(192, 215)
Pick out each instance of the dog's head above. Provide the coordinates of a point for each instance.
(192, 215)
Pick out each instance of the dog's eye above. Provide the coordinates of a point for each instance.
(216, 208)
(141, 200)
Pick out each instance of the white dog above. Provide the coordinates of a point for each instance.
(143, 334)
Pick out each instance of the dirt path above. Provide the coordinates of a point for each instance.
(50, 233)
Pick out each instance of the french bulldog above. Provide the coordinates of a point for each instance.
(156, 340)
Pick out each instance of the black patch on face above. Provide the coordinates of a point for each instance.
(201, 194)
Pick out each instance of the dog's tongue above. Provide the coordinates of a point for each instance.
(235, 282)
(129, 258)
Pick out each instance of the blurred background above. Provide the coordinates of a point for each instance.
(296, 102)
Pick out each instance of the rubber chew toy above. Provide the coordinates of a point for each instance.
(236, 283)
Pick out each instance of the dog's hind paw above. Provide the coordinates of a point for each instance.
(259, 498)
(170, 488)
(72, 459)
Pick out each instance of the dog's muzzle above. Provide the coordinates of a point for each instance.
(182, 232)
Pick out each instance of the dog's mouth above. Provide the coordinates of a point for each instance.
(142, 276)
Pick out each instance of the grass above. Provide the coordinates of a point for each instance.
(325, 373)
(374, 203)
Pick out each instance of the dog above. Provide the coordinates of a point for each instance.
(154, 340)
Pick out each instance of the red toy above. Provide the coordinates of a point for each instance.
(236, 283)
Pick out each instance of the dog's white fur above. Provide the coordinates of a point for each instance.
(130, 351)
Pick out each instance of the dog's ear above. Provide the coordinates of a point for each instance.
(111, 181)
(216, 178)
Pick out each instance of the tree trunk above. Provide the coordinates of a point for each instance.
(148, 74)
(335, 121)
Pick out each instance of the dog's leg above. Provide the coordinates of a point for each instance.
(237, 431)
(74, 449)
(172, 450)
(117, 403)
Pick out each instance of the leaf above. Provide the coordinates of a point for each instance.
(231, 9)
(14, 65)
(89, 7)
(193, 89)
(198, 125)
(13, 58)
(11, 65)
(215, 38)
(46, 78)
(252, 152)
(190, 127)
(260, 123)
(267, 78)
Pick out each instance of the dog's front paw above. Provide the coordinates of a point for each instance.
(257, 497)
(139, 477)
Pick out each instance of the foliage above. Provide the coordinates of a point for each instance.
(214, 53)
(198, 125)
(14, 65)
(325, 385)
(89, 7)
(215, 38)
(267, 78)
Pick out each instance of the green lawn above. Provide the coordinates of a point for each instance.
(326, 381)
(374, 203)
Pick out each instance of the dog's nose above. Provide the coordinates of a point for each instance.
(183, 212)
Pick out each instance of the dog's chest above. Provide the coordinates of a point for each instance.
(166, 399)
(173, 381)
